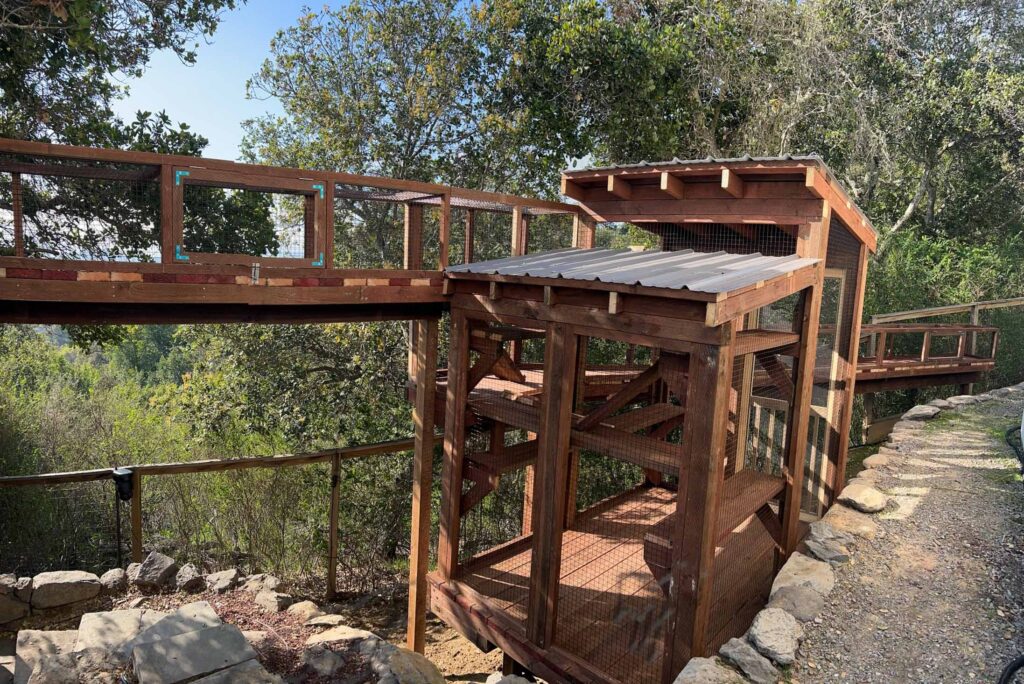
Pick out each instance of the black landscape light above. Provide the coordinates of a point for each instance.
(123, 482)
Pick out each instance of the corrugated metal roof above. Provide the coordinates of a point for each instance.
(707, 160)
(709, 272)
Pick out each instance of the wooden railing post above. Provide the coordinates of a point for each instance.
(136, 517)
(467, 252)
(445, 232)
(332, 531)
(167, 214)
(422, 482)
(19, 215)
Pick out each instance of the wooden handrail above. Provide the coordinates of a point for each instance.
(973, 307)
(881, 334)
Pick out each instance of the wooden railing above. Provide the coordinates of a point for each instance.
(880, 341)
(138, 472)
(166, 178)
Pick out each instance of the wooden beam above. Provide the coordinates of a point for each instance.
(614, 302)
(454, 446)
(572, 190)
(422, 482)
(582, 231)
(672, 185)
(846, 414)
(168, 214)
(518, 232)
(799, 415)
(733, 184)
(332, 529)
(136, 515)
(701, 476)
(552, 480)
(620, 187)
(19, 215)
(467, 250)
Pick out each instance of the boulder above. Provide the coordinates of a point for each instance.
(114, 581)
(305, 610)
(156, 572)
(409, 667)
(58, 669)
(223, 581)
(801, 602)
(132, 572)
(921, 412)
(868, 474)
(36, 645)
(802, 571)
(189, 656)
(51, 589)
(862, 498)
(848, 520)
(159, 626)
(498, 678)
(707, 671)
(876, 461)
(1000, 392)
(323, 661)
(189, 579)
(108, 631)
(12, 609)
(940, 404)
(962, 400)
(259, 582)
(776, 634)
(272, 601)
(249, 672)
(828, 543)
(326, 621)
(342, 633)
(23, 589)
(745, 657)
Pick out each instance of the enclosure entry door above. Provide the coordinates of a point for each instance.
(821, 427)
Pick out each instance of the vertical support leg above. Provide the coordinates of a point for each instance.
(552, 474)
(853, 352)
(467, 251)
(701, 474)
(796, 434)
(422, 482)
(332, 530)
(454, 446)
(529, 481)
(413, 261)
(136, 517)
(574, 454)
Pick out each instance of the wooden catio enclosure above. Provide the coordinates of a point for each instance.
(714, 375)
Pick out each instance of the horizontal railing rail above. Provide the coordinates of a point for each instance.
(879, 342)
(333, 456)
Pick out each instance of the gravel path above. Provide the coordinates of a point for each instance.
(939, 596)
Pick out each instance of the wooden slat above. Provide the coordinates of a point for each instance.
(750, 341)
(454, 447)
(511, 457)
(638, 450)
(644, 417)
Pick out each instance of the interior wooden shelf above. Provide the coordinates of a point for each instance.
(752, 341)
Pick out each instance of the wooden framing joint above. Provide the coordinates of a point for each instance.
(495, 291)
(614, 302)
(619, 187)
(572, 190)
(672, 185)
(733, 184)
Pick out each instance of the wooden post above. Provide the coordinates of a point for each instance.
(799, 415)
(332, 531)
(701, 474)
(551, 483)
(454, 446)
(574, 454)
(518, 232)
(136, 517)
(422, 482)
(582, 231)
(445, 231)
(467, 251)
(19, 215)
(328, 224)
(167, 214)
(413, 261)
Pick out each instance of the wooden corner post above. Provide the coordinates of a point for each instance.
(551, 482)
(701, 475)
(422, 481)
(136, 517)
(332, 530)
(799, 415)
(454, 446)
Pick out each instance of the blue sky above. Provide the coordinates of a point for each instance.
(210, 95)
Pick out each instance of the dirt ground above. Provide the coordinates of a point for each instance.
(940, 596)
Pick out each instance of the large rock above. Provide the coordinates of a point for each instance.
(863, 498)
(132, 572)
(189, 579)
(802, 571)
(114, 581)
(409, 667)
(305, 610)
(323, 661)
(326, 621)
(498, 678)
(108, 630)
(12, 609)
(962, 400)
(35, 646)
(921, 412)
(876, 461)
(223, 581)
(52, 589)
(156, 572)
(940, 404)
(801, 602)
(249, 672)
(272, 601)
(828, 543)
(259, 582)
(23, 589)
(848, 520)
(341, 633)
(707, 671)
(189, 618)
(188, 656)
(776, 634)
(755, 666)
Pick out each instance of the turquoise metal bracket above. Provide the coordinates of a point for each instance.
(178, 256)
(319, 262)
(320, 187)
(179, 174)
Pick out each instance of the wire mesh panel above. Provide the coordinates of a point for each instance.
(240, 221)
(549, 231)
(492, 235)
(80, 210)
(62, 527)
(743, 238)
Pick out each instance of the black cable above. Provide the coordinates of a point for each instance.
(1015, 665)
